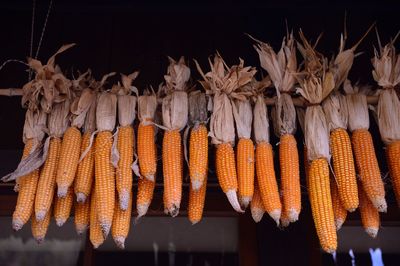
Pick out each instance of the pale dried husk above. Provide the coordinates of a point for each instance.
(147, 108)
(81, 106)
(90, 118)
(197, 108)
(260, 120)
(177, 76)
(316, 133)
(357, 107)
(106, 111)
(175, 109)
(222, 127)
(58, 119)
(335, 108)
(284, 116)
(386, 66)
(243, 115)
(34, 126)
(126, 109)
(301, 113)
(388, 112)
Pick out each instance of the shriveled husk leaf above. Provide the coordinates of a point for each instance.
(58, 119)
(386, 66)
(284, 115)
(177, 76)
(388, 111)
(126, 109)
(34, 126)
(106, 111)
(222, 127)
(147, 108)
(90, 118)
(243, 115)
(335, 108)
(357, 107)
(316, 133)
(197, 108)
(260, 121)
(80, 107)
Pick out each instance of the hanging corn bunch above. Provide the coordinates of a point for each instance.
(125, 138)
(316, 84)
(175, 116)
(281, 68)
(363, 146)
(387, 74)
(198, 155)
(223, 84)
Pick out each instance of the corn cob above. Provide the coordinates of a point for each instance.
(62, 207)
(196, 202)
(172, 168)
(266, 180)
(284, 220)
(39, 228)
(256, 205)
(144, 196)
(245, 168)
(339, 211)
(198, 156)
(369, 214)
(85, 173)
(343, 166)
(69, 158)
(290, 176)
(95, 231)
(121, 224)
(26, 195)
(321, 204)
(146, 148)
(393, 154)
(82, 216)
(368, 168)
(47, 181)
(124, 171)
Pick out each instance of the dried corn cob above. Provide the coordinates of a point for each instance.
(95, 231)
(392, 154)
(39, 228)
(85, 172)
(62, 207)
(121, 224)
(369, 214)
(196, 202)
(339, 211)
(82, 216)
(256, 205)
(144, 196)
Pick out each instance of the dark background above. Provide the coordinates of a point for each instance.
(124, 36)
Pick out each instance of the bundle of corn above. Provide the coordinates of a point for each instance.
(125, 138)
(223, 84)
(57, 124)
(266, 179)
(387, 74)
(71, 144)
(175, 116)
(316, 84)
(363, 146)
(198, 154)
(281, 68)
(104, 170)
(369, 214)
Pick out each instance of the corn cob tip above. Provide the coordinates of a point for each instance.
(96, 246)
(194, 221)
(351, 209)
(173, 211)
(380, 204)
(120, 241)
(284, 222)
(40, 215)
(196, 184)
(60, 221)
(142, 209)
(372, 231)
(245, 201)
(275, 215)
(124, 198)
(81, 197)
(293, 215)
(149, 177)
(62, 191)
(39, 240)
(257, 214)
(329, 250)
(338, 223)
(105, 229)
(17, 225)
(233, 200)
(80, 229)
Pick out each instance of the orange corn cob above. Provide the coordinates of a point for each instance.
(393, 155)
(144, 196)
(172, 168)
(368, 168)
(124, 171)
(82, 216)
(196, 202)
(266, 180)
(369, 214)
(284, 220)
(121, 224)
(256, 205)
(39, 228)
(62, 207)
(104, 180)
(290, 176)
(226, 173)
(306, 163)
(95, 232)
(343, 166)
(245, 168)
(339, 211)
(321, 204)
(47, 180)
(69, 158)
(147, 151)
(85, 173)
(198, 156)
(26, 195)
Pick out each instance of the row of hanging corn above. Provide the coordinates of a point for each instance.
(88, 158)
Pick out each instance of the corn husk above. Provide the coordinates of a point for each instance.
(147, 106)
(90, 118)
(197, 108)
(58, 120)
(357, 106)
(243, 114)
(80, 107)
(336, 113)
(260, 120)
(106, 111)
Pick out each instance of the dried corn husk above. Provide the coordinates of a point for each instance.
(357, 106)
(106, 111)
(147, 107)
(243, 115)
(197, 108)
(335, 108)
(260, 121)
(80, 107)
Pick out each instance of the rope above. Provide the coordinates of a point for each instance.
(44, 29)
(32, 33)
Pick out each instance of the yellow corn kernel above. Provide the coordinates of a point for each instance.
(121, 224)
(369, 214)
(196, 202)
(198, 156)
(62, 207)
(82, 216)
(256, 205)
(393, 155)
(144, 196)
(95, 232)
(147, 151)
(339, 211)
(39, 228)
(85, 173)
(245, 168)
